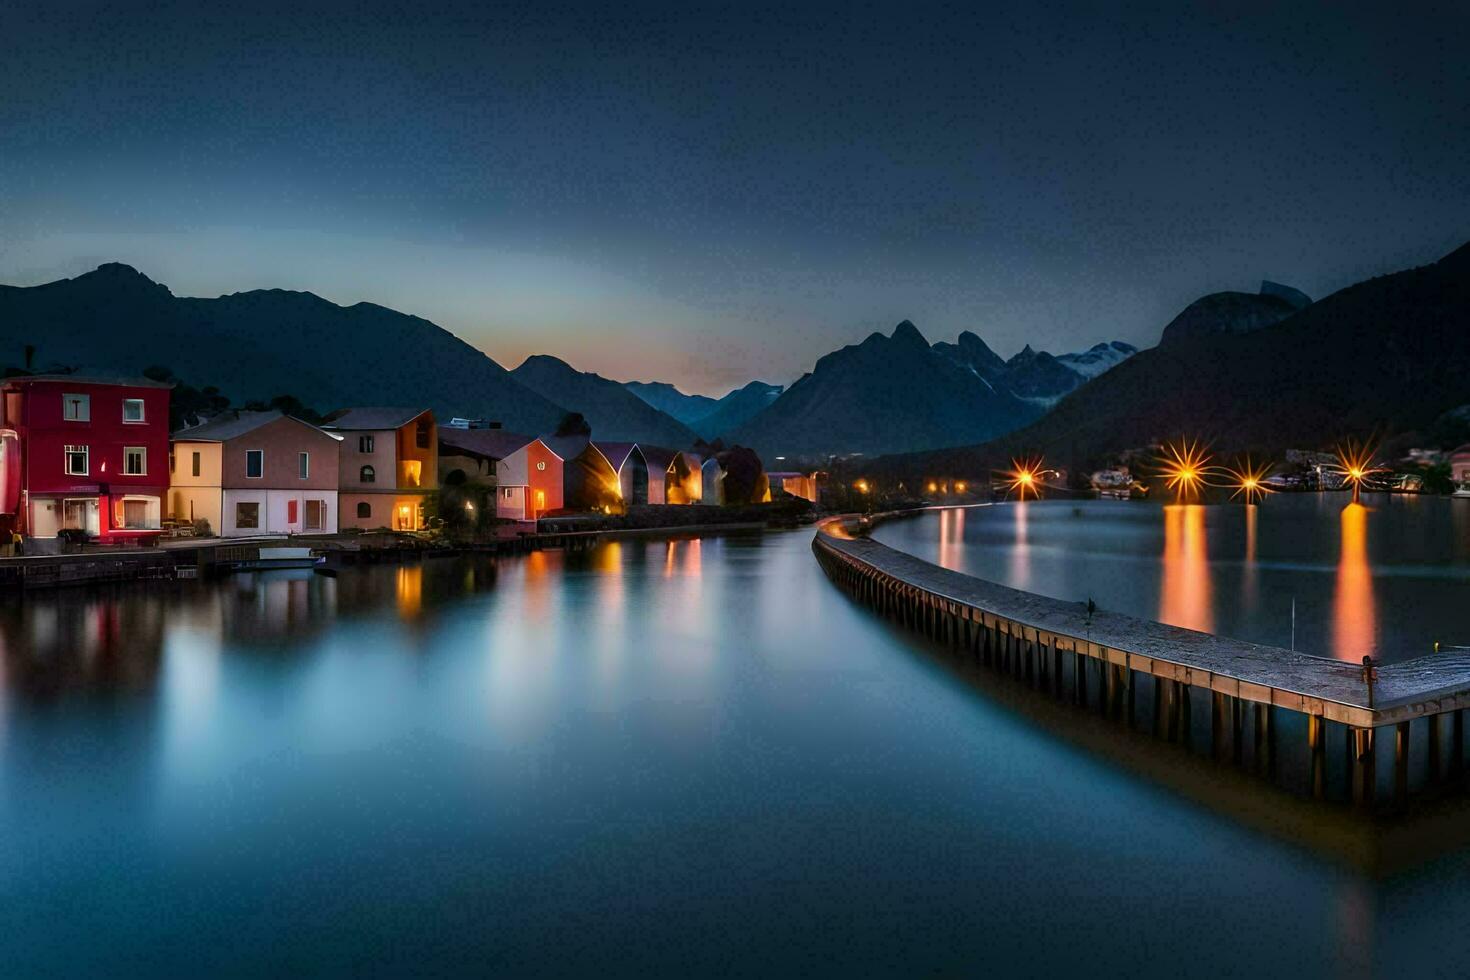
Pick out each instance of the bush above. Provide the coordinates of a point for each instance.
(202, 528)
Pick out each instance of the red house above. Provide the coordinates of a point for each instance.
(83, 452)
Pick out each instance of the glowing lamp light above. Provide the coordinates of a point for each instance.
(933, 486)
(1025, 477)
(959, 487)
(1185, 468)
(1249, 481)
(861, 486)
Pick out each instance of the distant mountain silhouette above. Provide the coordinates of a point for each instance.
(1234, 313)
(671, 401)
(709, 417)
(736, 408)
(263, 343)
(616, 413)
(1384, 356)
(885, 394)
(1035, 375)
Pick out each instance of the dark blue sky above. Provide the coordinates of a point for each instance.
(710, 194)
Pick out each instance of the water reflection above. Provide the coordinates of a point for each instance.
(1354, 618)
(1020, 564)
(1184, 597)
(952, 537)
(1249, 572)
(410, 591)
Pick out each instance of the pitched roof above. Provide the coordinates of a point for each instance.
(617, 453)
(372, 418)
(487, 443)
(658, 457)
(90, 379)
(1461, 450)
(231, 424)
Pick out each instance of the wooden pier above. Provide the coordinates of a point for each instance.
(1413, 711)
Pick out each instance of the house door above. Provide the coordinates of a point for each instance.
(540, 504)
(80, 514)
(315, 514)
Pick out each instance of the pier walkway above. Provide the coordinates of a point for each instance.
(1057, 645)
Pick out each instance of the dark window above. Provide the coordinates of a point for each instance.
(367, 475)
(195, 464)
(254, 463)
(305, 462)
(421, 434)
(364, 444)
(364, 510)
(247, 515)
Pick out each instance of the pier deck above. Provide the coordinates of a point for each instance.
(1052, 642)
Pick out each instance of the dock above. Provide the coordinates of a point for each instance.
(1110, 661)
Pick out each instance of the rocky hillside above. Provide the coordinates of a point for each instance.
(616, 413)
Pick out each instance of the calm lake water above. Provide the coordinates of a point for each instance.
(674, 758)
(1388, 577)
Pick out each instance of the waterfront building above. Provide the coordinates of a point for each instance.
(628, 462)
(388, 468)
(589, 480)
(524, 473)
(1460, 466)
(89, 454)
(689, 484)
(255, 473)
(797, 484)
(712, 481)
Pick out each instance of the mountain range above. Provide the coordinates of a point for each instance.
(895, 393)
(615, 413)
(710, 417)
(259, 344)
(1263, 373)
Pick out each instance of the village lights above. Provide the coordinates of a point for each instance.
(1185, 468)
(1249, 481)
(861, 486)
(1025, 477)
(1355, 463)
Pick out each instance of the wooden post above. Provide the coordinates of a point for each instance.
(1160, 728)
(1360, 754)
(1237, 730)
(1080, 681)
(1401, 762)
(1130, 687)
(1265, 740)
(1316, 746)
(1218, 709)
(1186, 706)
(1457, 744)
(1436, 735)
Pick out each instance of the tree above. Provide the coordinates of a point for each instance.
(573, 424)
(745, 477)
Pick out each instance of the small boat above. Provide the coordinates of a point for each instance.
(283, 558)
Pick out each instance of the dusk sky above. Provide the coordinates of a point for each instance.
(707, 195)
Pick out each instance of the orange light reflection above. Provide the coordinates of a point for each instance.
(1184, 595)
(1354, 617)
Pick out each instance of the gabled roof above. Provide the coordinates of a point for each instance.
(89, 379)
(232, 424)
(485, 443)
(372, 419)
(1461, 450)
(617, 453)
(658, 457)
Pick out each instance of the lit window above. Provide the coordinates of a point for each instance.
(135, 513)
(247, 515)
(133, 410)
(364, 444)
(305, 463)
(76, 460)
(367, 475)
(135, 461)
(76, 408)
(254, 464)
